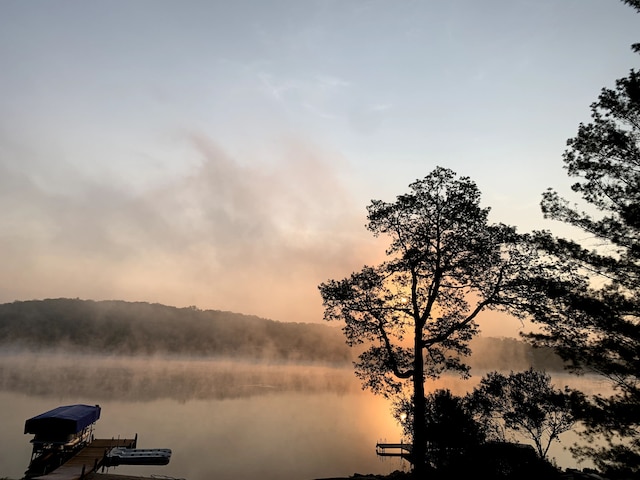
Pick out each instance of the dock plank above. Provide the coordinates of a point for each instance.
(88, 459)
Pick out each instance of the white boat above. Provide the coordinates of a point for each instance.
(139, 456)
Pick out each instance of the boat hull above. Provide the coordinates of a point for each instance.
(138, 456)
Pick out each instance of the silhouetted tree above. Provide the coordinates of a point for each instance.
(526, 403)
(595, 322)
(634, 4)
(451, 430)
(417, 311)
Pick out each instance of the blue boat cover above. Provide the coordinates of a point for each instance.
(66, 420)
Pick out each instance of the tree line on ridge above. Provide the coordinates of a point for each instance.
(139, 328)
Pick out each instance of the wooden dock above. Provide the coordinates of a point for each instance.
(402, 450)
(87, 460)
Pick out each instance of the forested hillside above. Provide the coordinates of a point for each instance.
(139, 328)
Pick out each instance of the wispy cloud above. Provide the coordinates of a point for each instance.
(331, 82)
(316, 94)
(249, 236)
(277, 88)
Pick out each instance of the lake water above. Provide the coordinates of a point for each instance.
(222, 419)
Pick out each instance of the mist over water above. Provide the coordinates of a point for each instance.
(222, 418)
(138, 379)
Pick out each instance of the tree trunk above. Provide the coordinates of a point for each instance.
(419, 450)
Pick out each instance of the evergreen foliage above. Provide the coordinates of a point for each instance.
(593, 320)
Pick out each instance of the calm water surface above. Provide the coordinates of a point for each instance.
(268, 422)
(222, 419)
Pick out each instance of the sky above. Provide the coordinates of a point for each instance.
(222, 154)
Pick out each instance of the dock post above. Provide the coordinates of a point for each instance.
(82, 474)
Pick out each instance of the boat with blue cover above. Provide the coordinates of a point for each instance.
(59, 434)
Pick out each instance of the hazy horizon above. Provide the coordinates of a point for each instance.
(222, 155)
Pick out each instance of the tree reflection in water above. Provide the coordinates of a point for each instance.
(221, 418)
